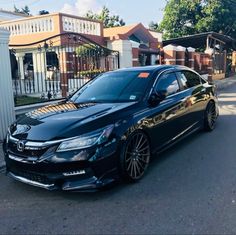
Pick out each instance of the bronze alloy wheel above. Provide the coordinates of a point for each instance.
(136, 156)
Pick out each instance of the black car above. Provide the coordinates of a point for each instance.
(109, 128)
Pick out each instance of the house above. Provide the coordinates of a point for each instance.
(59, 52)
(35, 28)
(136, 44)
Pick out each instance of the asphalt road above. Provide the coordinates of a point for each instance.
(189, 189)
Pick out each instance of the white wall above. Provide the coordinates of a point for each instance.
(125, 49)
(7, 113)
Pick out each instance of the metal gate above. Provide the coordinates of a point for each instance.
(57, 66)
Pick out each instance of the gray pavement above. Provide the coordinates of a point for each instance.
(189, 189)
(221, 85)
(224, 83)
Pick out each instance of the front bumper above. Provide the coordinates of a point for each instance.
(99, 170)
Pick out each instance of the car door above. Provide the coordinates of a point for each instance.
(165, 118)
(195, 98)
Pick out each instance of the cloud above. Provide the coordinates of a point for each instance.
(81, 7)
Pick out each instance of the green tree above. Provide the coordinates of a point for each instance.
(218, 16)
(24, 10)
(16, 10)
(153, 26)
(43, 12)
(185, 17)
(106, 17)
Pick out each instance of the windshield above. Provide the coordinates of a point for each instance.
(114, 87)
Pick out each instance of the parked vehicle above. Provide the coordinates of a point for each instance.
(109, 128)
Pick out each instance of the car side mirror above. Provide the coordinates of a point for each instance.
(156, 98)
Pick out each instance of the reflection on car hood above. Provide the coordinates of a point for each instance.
(66, 120)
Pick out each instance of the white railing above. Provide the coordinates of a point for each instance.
(30, 26)
(75, 25)
(30, 87)
(33, 25)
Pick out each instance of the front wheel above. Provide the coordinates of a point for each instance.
(210, 117)
(135, 156)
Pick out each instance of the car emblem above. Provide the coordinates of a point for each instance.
(21, 146)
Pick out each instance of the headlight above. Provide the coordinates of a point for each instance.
(85, 141)
(8, 135)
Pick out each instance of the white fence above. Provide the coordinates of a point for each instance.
(29, 87)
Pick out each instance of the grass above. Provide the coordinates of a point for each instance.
(25, 100)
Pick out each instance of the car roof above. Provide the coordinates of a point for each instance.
(153, 68)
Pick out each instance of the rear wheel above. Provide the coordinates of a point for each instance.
(210, 117)
(135, 156)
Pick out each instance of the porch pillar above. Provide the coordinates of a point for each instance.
(180, 55)
(135, 53)
(170, 54)
(7, 112)
(191, 52)
(64, 72)
(125, 52)
(209, 52)
(20, 59)
(40, 71)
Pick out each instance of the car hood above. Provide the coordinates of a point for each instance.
(67, 119)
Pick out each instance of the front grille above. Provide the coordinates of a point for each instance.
(32, 176)
(12, 148)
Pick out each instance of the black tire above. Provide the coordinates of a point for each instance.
(210, 117)
(135, 156)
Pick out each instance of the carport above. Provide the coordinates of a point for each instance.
(204, 40)
(218, 46)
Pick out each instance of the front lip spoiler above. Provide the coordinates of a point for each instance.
(83, 185)
(90, 184)
(33, 183)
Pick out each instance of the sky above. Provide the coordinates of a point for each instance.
(131, 11)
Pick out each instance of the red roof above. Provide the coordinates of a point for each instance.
(124, 32)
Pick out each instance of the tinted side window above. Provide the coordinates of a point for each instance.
(167, 84)
(203, 80)
(182, 79)
(189, 79)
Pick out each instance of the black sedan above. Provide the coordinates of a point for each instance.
(109, 128)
